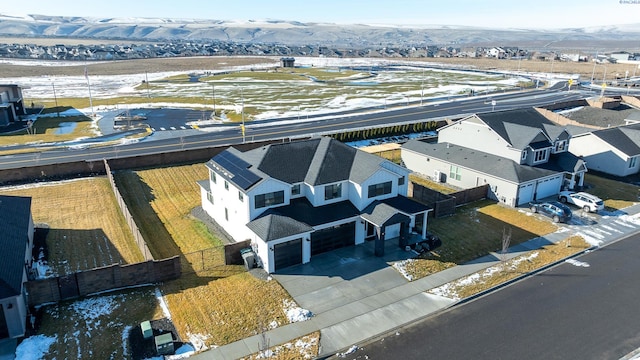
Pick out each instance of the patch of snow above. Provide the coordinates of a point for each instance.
(163, 304)
(35, 347)
(125, 338)
(590, 240)
(401, 266)
(577, 263)
(182, 352)
(349, 351)
(92, 308)
(198, 341)
(295, 313)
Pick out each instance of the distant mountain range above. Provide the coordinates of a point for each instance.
(297, 33)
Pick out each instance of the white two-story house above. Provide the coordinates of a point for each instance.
(299, 199)
(522, 155)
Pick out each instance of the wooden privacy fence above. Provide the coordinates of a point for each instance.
(142, 245)
(445, 204)
(101, 279)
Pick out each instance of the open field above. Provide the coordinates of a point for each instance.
(86, 228)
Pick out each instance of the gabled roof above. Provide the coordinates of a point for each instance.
(273, 227)
(300, 209)
(15, 219)
(381, 214)
(479, 161)
(509, 125)
(316, 162)
(565, 162)
(623, 138)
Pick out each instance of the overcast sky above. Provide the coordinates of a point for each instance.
(487, 13)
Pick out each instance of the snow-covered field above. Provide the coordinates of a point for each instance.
(399, 85)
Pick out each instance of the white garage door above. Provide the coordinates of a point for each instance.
(525, 194)
(548, 187)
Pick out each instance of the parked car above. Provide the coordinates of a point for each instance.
(583, 200)
(558, 212)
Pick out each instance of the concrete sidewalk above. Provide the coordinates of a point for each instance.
(364, 302)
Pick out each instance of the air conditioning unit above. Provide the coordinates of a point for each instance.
(437, 176)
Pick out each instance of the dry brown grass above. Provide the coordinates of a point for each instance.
(45, 128)
(305, 347)
(616, 195)
(476, 229)
(137, 66)
(87, 229)
(584, 69)
(224, 309)
(161, 201)
(440, 187)
(80, 335)
(526, 263)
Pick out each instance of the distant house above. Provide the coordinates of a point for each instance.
(520, 154)
(11, 104)
(296, 200)
(287, 62)
(614, 150)
(16, 240)
(497, 52)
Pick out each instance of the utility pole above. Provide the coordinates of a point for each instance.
(55, 98)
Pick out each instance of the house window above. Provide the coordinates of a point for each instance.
(240, 196)
(226, 214)
(540, 155)
(632, 162)
(226, 185)
(212, 176)
(210, 197)
(524, 155)
(401, 181)
(332, 191)
(379, 189)
(561, 145)
(454, 173)
(269, 199)
(295, 189)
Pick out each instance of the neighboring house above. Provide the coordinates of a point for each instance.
(11, 104)
(16, 240)
(299, 199)
(533, 150)
(613, 150)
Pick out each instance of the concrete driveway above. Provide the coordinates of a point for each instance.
(343, 276)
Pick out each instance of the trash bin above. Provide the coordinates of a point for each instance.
(249, 258)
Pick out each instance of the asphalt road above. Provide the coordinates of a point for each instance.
(260, 131)
(567, 312)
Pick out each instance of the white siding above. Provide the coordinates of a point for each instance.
(265, 187)
(601, 156)
(474, 134)
(378, 177)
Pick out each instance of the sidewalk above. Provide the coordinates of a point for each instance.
(395, 303)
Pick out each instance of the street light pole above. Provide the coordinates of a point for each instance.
(242, 127)
(213, 90)
(55, 98)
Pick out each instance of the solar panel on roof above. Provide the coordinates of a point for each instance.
(238, 169)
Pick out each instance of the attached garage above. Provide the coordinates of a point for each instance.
(287, 254)
(525, 193)
(548, 187)
(333, 238)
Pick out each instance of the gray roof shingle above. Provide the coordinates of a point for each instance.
(479, 161)
(14, 238)
(623, 138)
(273, 227)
